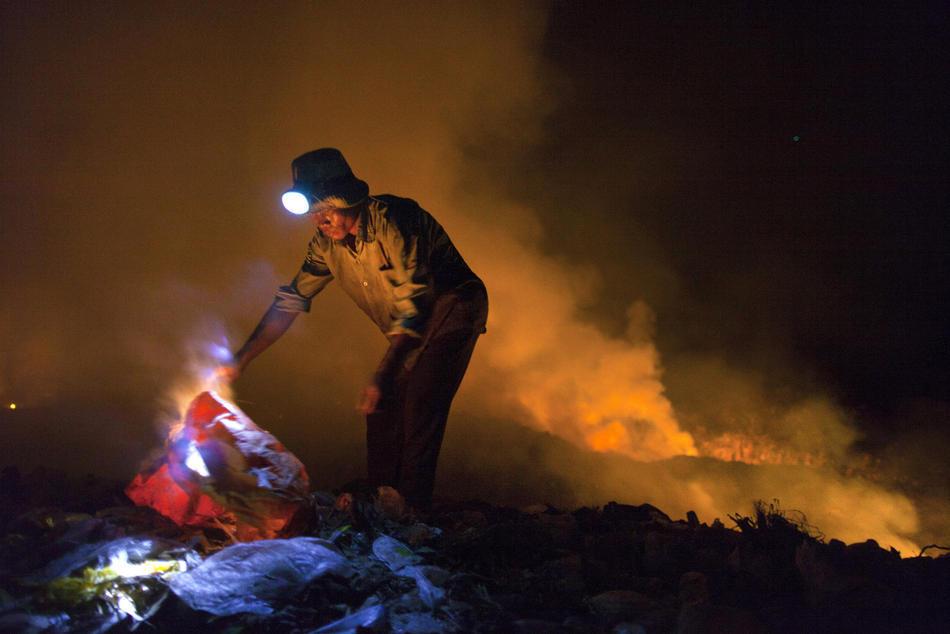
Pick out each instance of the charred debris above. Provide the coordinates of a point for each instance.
(76, 556)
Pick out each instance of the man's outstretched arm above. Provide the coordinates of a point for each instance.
(289, 301)
(273, 324)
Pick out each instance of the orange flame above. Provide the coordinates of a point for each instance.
(757, 449)
(201, 375)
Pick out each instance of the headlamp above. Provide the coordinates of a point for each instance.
(295, 202)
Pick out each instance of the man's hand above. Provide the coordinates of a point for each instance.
(227, 373)
(383, 381)
(273, 324)
(369, 399)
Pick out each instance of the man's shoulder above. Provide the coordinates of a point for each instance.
(389, 204)
(404, 214)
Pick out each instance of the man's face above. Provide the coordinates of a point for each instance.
(333, 222)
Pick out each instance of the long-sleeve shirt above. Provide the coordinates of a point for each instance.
(402, 260)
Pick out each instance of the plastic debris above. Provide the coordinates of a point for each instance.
(418, 623)
(250, 577)
(620, 569)
(23, 622)
(371, 619)
(104, 583)
(401, 560)
(125, 554)
(394, 553)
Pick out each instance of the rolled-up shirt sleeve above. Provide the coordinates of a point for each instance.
(313, 277)
(412, 292)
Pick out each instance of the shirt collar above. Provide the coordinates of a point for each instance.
(367, 230)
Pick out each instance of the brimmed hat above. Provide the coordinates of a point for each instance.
(326, 177)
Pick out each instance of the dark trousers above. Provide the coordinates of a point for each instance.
(404, 437)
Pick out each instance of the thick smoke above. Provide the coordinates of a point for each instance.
(141, 212)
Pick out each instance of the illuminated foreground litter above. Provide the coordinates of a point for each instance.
(468, 567)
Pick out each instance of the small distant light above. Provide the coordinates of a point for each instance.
(12, 405)
(796, 138)
(295, 203)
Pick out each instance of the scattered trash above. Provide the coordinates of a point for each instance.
(619, 605)
(371, 619)
(470, 567)
(390, 503)
(250, 577)
(127, 556)
(394, 553)
(104, 583)
(401, 560)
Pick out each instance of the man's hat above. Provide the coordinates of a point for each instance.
(323, 176)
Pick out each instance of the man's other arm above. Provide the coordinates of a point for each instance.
(400, 346)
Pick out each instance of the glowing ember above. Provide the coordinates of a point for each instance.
(757, 449)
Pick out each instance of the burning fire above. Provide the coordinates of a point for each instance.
(217, 466)
(201, 376)
(757, 449)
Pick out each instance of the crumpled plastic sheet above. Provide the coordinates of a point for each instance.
(98, 554)
(401, 560)
(249, 577)
(219, 465)
(372, 619)
(30, 623)
(417, 623)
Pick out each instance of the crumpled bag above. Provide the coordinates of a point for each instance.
(371, 619)
(249, 577)
(131, 550)
(401, 560)
(219, 465)
(419, 623)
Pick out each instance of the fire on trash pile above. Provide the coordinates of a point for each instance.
(220, 469)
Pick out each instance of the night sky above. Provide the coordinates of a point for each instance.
(744, 208)
(787, 167)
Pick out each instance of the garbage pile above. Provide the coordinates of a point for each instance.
(360, 563)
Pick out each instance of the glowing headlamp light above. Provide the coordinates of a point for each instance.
(295, 202)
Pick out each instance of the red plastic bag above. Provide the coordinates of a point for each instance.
(220, 466)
